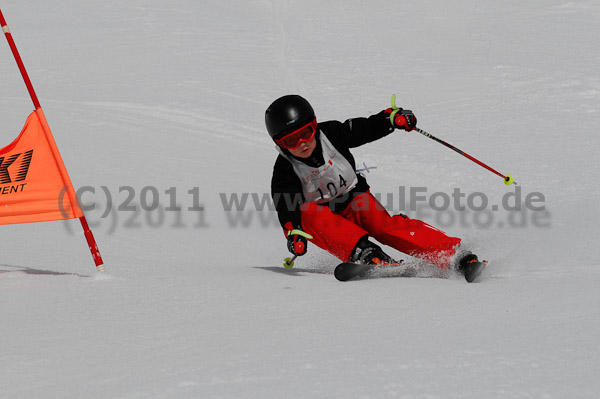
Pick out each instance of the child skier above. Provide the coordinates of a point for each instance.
(318, 194)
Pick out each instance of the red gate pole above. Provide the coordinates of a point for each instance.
(89, 236)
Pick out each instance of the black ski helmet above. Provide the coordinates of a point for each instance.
(287, 114)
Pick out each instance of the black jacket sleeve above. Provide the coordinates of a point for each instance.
(286, 192)
(358, 131)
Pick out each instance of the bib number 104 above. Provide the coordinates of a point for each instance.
(332, 188)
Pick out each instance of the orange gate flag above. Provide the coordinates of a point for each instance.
(34, 183)
(36, 187)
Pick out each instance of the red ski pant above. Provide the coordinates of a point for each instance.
(338, 232)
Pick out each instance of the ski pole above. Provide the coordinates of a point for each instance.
(508, 179)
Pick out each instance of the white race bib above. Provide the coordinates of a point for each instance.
(334, 178)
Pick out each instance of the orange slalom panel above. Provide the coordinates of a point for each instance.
(34, 183)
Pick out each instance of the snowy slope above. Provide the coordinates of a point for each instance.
(148, 95)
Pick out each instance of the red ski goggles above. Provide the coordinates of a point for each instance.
(292, 140)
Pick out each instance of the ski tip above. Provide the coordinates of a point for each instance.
(472, 274)
(347, 270)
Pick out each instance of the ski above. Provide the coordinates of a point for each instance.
(474, 269)
(348, 270)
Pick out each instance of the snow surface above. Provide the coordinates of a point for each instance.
(196, 304)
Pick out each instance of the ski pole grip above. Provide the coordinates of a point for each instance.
(395, 110)
(300, 233)
(394, 107)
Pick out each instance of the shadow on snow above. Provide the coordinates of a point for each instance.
(411, 269)
(29, 270)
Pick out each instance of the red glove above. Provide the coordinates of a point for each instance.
(402, 119)
(297, 241)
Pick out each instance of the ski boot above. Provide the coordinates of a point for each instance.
(470, 266)
(368, 253)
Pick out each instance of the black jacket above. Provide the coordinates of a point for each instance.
(286, 188)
